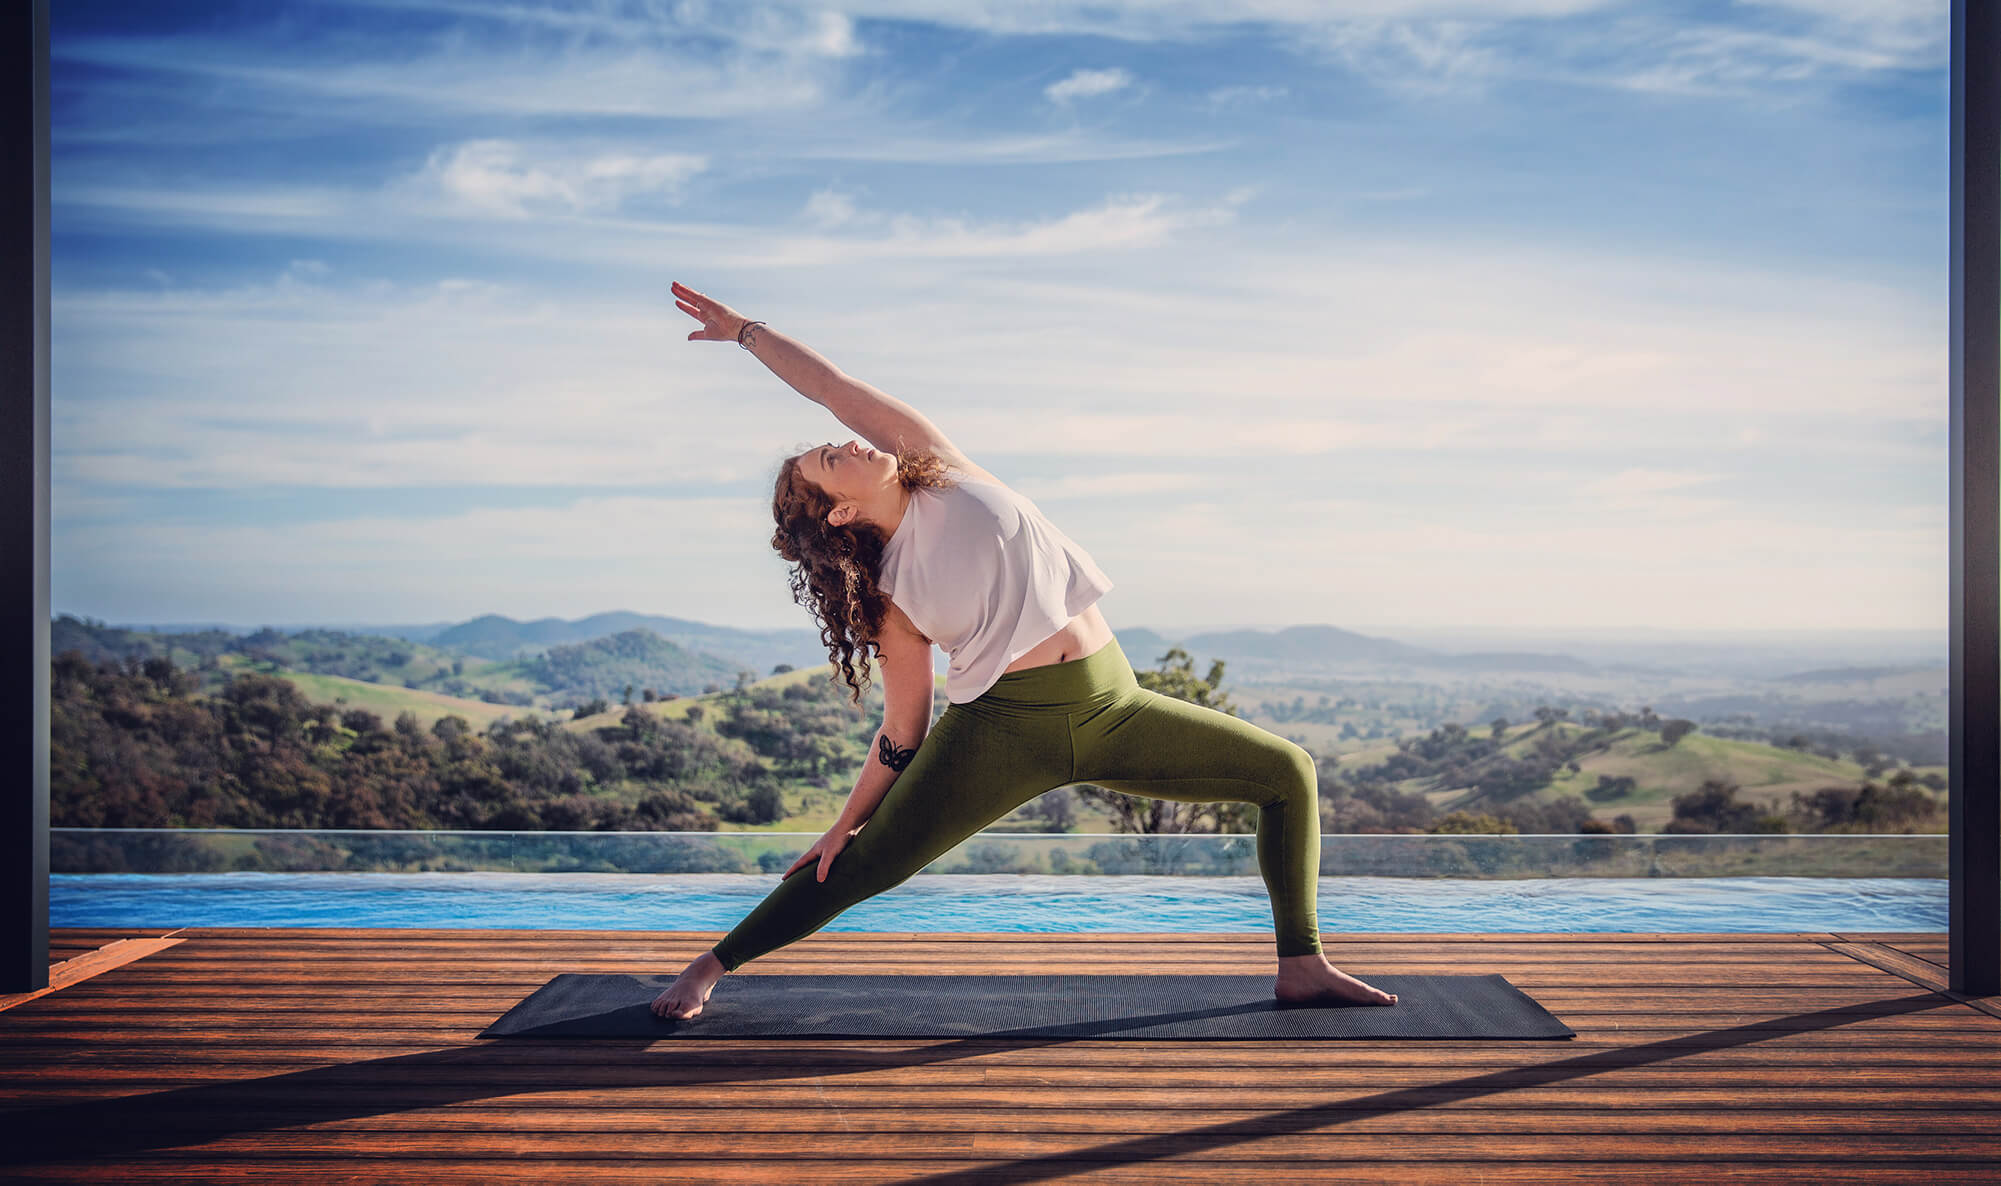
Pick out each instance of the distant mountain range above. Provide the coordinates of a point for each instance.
(713, 653)
(1248, 653)
(1252, 655)
(492, 636)
(1314, 650)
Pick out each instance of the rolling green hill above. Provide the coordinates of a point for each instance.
(1659, 772)
(389, 701)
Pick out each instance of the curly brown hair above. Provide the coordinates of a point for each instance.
(834, 568)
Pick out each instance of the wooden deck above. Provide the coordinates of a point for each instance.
(323, 1056)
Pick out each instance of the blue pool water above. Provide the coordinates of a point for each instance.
(997, 902)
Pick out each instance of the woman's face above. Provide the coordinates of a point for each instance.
(852, 471)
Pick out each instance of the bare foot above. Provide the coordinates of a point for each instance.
(1304, 978)
(686, 996)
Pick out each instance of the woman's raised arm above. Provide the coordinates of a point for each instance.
(883, 420)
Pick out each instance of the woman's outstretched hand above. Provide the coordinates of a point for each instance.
(720, 323)
(826, 848)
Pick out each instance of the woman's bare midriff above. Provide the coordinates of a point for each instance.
(1084, 636)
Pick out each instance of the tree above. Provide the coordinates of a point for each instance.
(1057, 809)
(1176, 677)
(1713, 807)
(1675, 730)
(1466, 823)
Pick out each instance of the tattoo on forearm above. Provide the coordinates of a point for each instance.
(892, 757)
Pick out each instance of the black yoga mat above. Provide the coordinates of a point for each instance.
(597, 1005)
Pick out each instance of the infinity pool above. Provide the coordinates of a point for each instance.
(994, 902)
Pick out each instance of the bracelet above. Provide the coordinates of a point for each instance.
(747, 326)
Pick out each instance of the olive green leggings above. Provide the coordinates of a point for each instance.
(1087, 720)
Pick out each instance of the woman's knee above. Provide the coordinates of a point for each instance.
(1298, 774)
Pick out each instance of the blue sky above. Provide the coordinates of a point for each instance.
(1508, 314)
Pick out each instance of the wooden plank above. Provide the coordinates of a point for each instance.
(475, 1072)
(915, 1112)
(1919, 972)
(1623, 1005)
(1108, 940)
(1916, 1015)
(763, 1169)
(75, 971)
(807, 1092)
(1252, 1139)
(255, 1037)
(860, 960)
(1078, 938)
(1935, 954)
(1209, 947)
(97, 937)
(309, 1047)
(864, 962)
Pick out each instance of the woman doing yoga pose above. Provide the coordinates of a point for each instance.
(908, 545)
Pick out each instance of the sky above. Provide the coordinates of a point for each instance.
(1508, 314)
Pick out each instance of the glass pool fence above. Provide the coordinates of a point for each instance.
(226, 850)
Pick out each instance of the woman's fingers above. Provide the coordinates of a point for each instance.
(706, 311)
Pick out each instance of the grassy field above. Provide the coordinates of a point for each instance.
(677, 709)
(388, 701)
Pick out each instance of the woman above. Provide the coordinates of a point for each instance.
(910, 542)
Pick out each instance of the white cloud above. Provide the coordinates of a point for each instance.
(789, 29)
(1162, 20)
(1389, 38)
(1873, 34)
(1083, 84)
(292, 205)
(831, 208)
(501, 177)
(1227, 97)
(890, 144)
(1122, 222)
(666, 73)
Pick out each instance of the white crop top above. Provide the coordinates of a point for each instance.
(985, 575)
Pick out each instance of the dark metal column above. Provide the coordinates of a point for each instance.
(1974, 721)
(24, 496)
